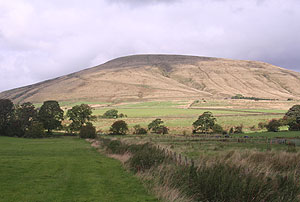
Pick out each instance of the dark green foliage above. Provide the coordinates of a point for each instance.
(157, 126)
(218, 129)
(138, 130)
(294, 123)
(119, 128)
(35, 130)
(6, 115)
(15, 129)
(116, 147)
(294, 111)
(79, 115)
(87, 131)
(292, 118)
(26, 114)
(146, 157)
(262, 125)
(51, 115)
(273, 125)
(205, 122)
(239, 96)
(110, 114)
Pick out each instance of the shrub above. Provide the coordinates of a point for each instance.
(217, 128)
(261, 125)
(35, 130)
(138, 130)
(156, 126)
(87, 131)
(144, 157)
(110, 114)
(116, 147)
(119, 128)
(273, 125)
(238, 129)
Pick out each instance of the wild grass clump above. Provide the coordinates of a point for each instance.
(231, 183)
(232, 176)
(116, 147)
(145, 158)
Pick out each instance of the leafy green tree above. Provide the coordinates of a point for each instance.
(294, 111)
(51, 115)
(79, 115)
(111, 114)
(218, 129)
(156, 126)
(25, 115)
(273, 125)
(35, 130)
(119, 128)
(6, 115)
(205, 122)
(138, 130)
(292, 118)
(87, 131)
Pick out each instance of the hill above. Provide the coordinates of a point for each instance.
(165, 77)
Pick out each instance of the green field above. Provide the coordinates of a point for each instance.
(63, 169)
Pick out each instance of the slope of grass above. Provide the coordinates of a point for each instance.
(63, 169)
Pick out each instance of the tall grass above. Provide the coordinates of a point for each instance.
(232, 176)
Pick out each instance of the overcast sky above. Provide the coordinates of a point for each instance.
(42, 39)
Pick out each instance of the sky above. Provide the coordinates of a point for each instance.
(42, 39)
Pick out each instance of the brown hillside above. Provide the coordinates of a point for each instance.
(146, 77)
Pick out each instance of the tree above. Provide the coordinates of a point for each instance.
(87, 131)
(273, 125)
(157, 126)
(35, 130)
(138, 130)
(6, 115)
(25, 115)
(111, 114)
(294, 111)
(205, 122)
(79, 115)
(292, 118)
(119, 128)
(218, 129)
(50, 115)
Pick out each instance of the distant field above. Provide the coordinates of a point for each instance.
(63, 169)
(179, 115)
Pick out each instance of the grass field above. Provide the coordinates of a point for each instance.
(63, 169)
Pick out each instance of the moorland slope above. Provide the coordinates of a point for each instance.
(165, 77)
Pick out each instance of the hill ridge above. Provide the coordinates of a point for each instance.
(151, 77)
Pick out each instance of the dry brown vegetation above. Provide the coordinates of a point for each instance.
(167, 77)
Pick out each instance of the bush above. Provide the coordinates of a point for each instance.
(87, 131)
(119, 128)
(138, 130)
(144, 157)
(116, 147)
(238, 129)
(217, 128)
(273, 125)
(35, 130)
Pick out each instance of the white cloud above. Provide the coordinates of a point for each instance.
(44, 39)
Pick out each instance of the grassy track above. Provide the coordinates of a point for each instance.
(63, 169)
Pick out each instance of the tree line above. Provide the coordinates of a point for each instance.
(26, 120)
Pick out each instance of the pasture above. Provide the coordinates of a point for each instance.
(179, 115)
(63, 169)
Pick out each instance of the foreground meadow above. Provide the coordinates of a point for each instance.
(63, 169)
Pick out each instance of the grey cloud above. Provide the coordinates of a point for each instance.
(44, 39)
